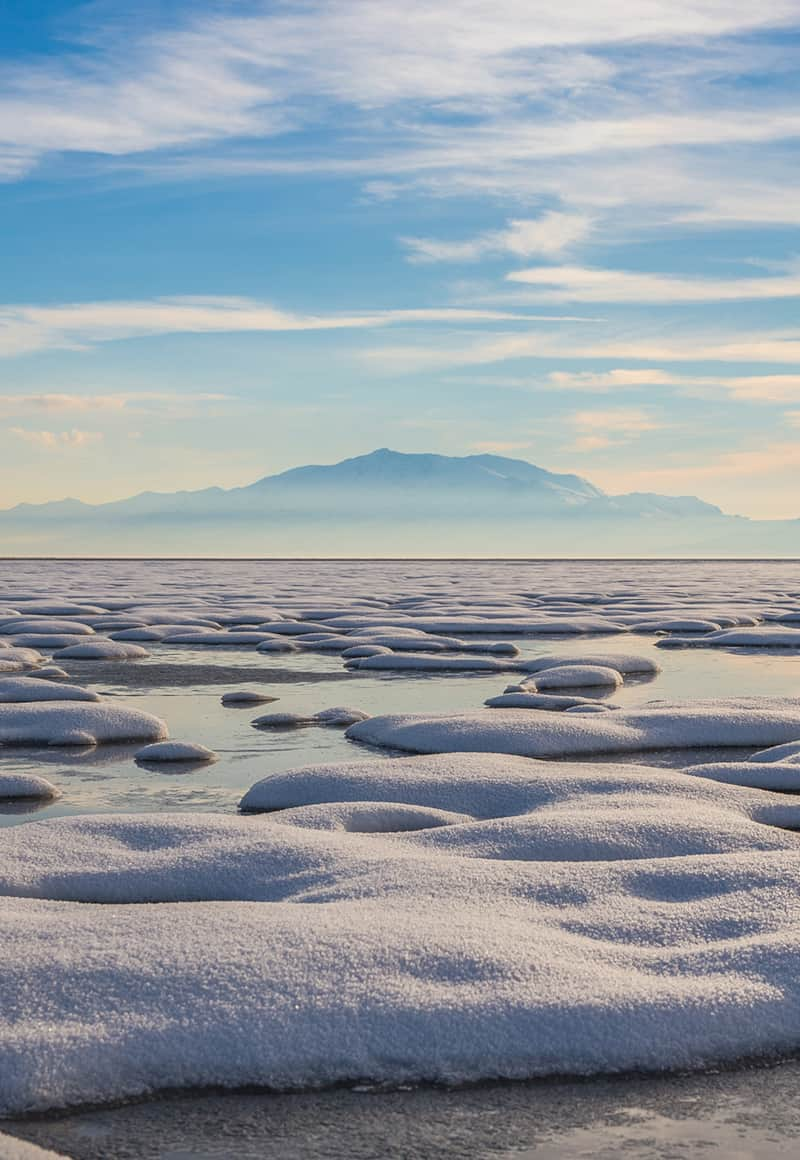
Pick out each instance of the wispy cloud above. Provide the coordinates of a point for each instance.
(757, 347)
(519, 97)
(76, 325)
(98, 404)
(579, 284)
(547, 235)
(57, 440)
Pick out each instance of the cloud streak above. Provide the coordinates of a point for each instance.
(28, 328)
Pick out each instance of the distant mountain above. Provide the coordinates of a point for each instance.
(388, 503)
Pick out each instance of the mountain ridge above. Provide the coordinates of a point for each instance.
(398, 504)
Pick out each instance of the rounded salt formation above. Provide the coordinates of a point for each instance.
(17, 690)
(218, 638)
(281, 721)
(340, 715)
(101, 650)
(365, 650)
(175, 751)
(367, 817)
(628, 664)
(279, 644)
(76, 723)
(45, 626)
(576, 677)
(523, 698)
(19, 786)
(590, 709)
(52, 673)
(246, 697)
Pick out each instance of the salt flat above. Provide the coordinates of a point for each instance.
(592, 874)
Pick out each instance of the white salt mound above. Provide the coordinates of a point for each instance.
(789, 752)
(175, 751)
(278, 644)
(775, 775)
(74, 722)
(25, 785)
(17, 660)
(575, 677)
(431, 664)
(738, 638)
(101, 650)
(340, 715)
(246, 697)
(20, 689)
(342, 941)
(45, 626)
(525, 699)
(742, 722)
(220, 638)
(282, 721)
(625, 663)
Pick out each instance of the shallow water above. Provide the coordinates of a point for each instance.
(187, 682)
(749, 1114)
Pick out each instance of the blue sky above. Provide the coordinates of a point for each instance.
(243, 236)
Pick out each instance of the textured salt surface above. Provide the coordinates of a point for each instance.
(465, 915)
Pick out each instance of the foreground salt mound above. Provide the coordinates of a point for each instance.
(15, 786)
(76, 723)
(787, 753)
(725, 722)
(517, 934)
(781, 776)
(368, 817)
(498, 785)
(168, 751)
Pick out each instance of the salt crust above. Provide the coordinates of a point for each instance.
(75, 722)
(246, 697)
(521, 697)
(575, 677)
(175, 751)
(725, 722)
(627, 664)
(25, 785)
(737, 638)
(548, 918)
(101, 650)
(21, 689)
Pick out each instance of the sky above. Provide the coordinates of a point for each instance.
(240, 237)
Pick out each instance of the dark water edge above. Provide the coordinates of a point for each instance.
(751, 1113)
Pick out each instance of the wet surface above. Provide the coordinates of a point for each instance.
(749, 1114)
